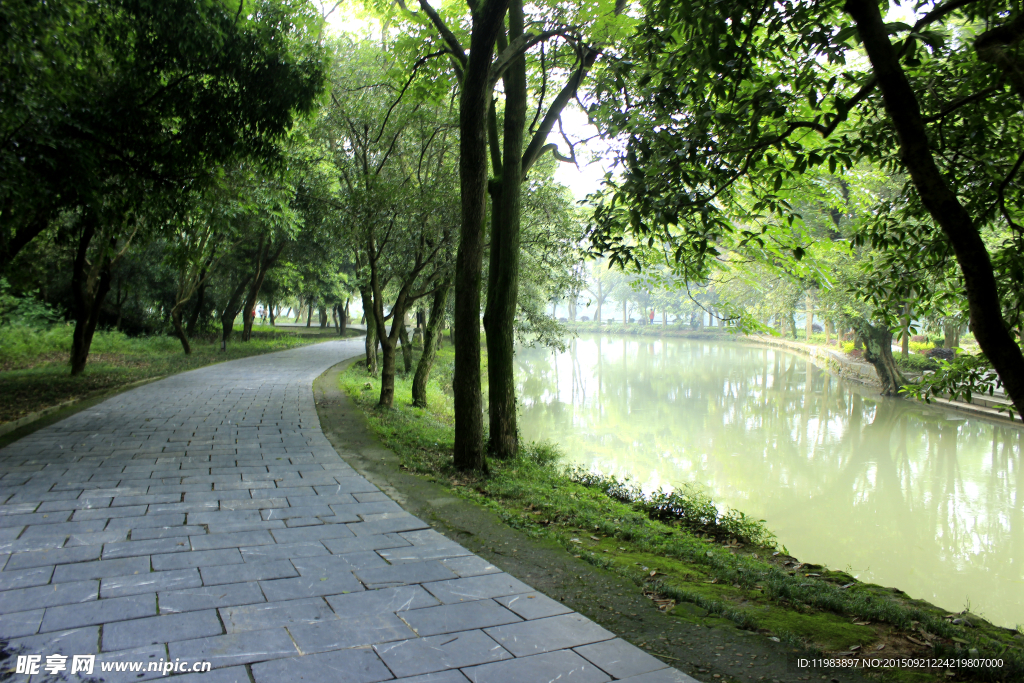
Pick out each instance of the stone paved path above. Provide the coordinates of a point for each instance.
(206, 517)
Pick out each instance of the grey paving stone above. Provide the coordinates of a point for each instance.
(236, 527)
(376, 507)
(158, 546)
(254, 504)
(18, 624)
(98, 612)
(304, 511)
(311, 534)
(421, 553)
(346, 666)
(309, 587)
(166, 628)
(449, 676)
(71, 641)
(308, 521)
(248, 571)
(477, 588)
(370, 497)
(209, 597)
(16, 545)
(24, 599)
(96, 538)
(278, 551)
(25, 578)
(340, 546)
(620, 659)
(40, 518)
(354, 484)
(332, 564)
(166, 532)
(100, 569)
(236, 648)
(563, 665)
(381, 601)
(227, 516)
(149, 582)
(74, 504)
(231, 540)
(470, 565)
(661, 676)
(551, 633)
(108, 513)
(233, 674)
(202, 558)
(403, 574)
(274, 614)
(146, 522)
(436, 653)
(190, 508)
(404, 522)
(345, 633)
(40, 558)
(533, 605)
(461, 616)
(18, 509)
(147, 499)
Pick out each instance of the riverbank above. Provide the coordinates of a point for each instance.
(34, 379)
(693, 567)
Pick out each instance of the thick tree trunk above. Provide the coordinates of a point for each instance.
(343, 322)
(309, 314)
(877, 342)
(230, 312)
(179, 329)
(371, 331)
(193, 318)
(403, 338)
(323, 317)
(473, 110)
(431, 339)
(809, 323)
(89, 286)
(503, 284)
(941, 201)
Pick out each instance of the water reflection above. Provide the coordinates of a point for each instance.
(899, 493)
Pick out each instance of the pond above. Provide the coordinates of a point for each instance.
(895, 492)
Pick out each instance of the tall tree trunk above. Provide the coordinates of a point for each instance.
(193, 318)
(431, 339)
(809, 323)
(474, 101)
(403, 338)
(323, 316)
(503, 284)
(828, 331)
(624, 320)
(309, 313)
(877, 342)
(941, 201)
(371, 331)
(905, 350)
(179, 329)
(343, 323)
(89, 285)
(230, 312)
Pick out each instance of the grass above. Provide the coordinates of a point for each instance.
(34, 362)
(696, 562)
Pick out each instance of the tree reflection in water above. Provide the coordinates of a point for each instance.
(901, 493)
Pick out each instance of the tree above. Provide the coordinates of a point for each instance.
(138, 101)
(776, 94)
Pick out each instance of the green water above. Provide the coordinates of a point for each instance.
(898, 493)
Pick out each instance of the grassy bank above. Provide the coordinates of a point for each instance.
(34, 363)
(694, 562)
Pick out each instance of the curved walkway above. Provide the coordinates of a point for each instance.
(206, 518)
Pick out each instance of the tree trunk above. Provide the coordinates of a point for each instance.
(878, 351)
(403, 338)
(809, 323)
(431, 337)
(828, 332)
(949, 328)
(309, 314)
(624, 320)
(179, 329)
(89, 285)
(323, 316)
(473, 111)
(792, 322)
(941, 201)
(371, 331)
(230, 312)
(503, 284)
(193, 318)
(905, 343)
(272, 317)
(343, 322)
